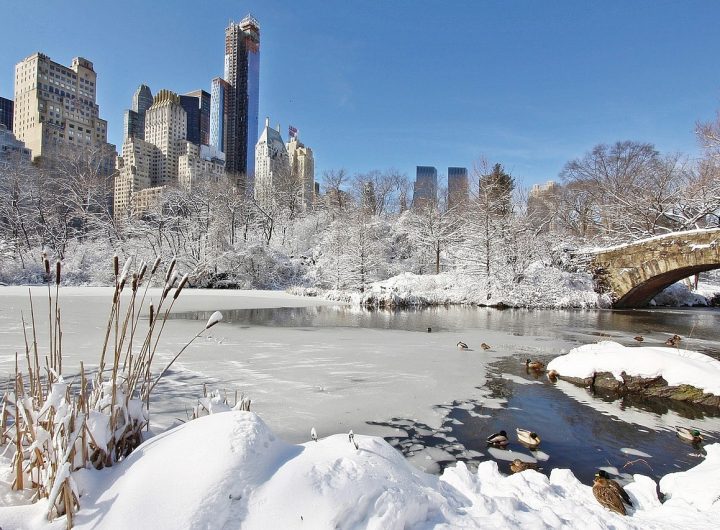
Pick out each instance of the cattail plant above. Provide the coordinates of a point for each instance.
(55, 428)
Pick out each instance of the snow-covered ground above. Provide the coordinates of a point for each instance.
(229, 470)
(676, 366)
(540, 287)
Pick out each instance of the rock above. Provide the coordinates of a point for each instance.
(647, 387)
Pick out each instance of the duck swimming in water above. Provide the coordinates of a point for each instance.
(462, 346)
(485, 346)
(534, 365)
(639, 338)
(690, 435)
(528, 438)
(673, 341)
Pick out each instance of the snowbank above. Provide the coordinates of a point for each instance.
(676, 366)
(540, 286)
(229, 470)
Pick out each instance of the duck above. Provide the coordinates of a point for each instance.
(485, 346)
(607, 495)
(462, 346)
(553, 375)
(673, 341)
(534, 365)
(528, 438)
(690, 435)
(518, 466)
(639, 338)
(499, 438)
(614, 484)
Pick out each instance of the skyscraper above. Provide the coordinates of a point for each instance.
(218, 113)
(425, 188)
(165, 157)
(197, 107)
(458, 188)
(272, 165)
(135, 117)
(302, 168)
(6, 113)
(242, 72)
(55, 108)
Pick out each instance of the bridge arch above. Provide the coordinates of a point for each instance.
(633, 274)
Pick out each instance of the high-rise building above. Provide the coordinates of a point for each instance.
(6, 113)
(458, 187)
(197, 106)
(425, 188)
(242, 72)
(11, 149)
(165, 157)
(272, 167)
(218, 113)
(302, 169)
(166, 129)
(55, 108)
(135, 117)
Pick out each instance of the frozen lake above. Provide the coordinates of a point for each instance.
(309, 363)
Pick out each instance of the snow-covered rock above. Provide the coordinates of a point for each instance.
(676, 366)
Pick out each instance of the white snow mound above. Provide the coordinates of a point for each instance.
(676, 366)
(228, 470)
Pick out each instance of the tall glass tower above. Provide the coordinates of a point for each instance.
(242, 72)
(425, 188)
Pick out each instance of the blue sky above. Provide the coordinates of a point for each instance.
(378, 84)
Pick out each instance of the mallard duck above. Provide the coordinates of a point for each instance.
(462, 346)
(639, 338)
(313, 434)
(606, 495)
(499, 438)
(528, 438)
(485, 346)
(553, 375)
(614, 484)
(534, 365)
(673, 341)
(691, 435)
(518, 466)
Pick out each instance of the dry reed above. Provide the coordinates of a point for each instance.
(56, 429)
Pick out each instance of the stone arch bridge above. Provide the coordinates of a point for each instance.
(636, 272)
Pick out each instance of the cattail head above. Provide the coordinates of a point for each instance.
(116, 265)
(214, 319)
(169, 283)
(152, 314)
(170, 270)
(141, 273)
(46, 263)
(180, 286)
(134, 281)
(155, 265)
(57, 272)
(126, 269)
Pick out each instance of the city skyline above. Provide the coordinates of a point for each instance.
(535, 86)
